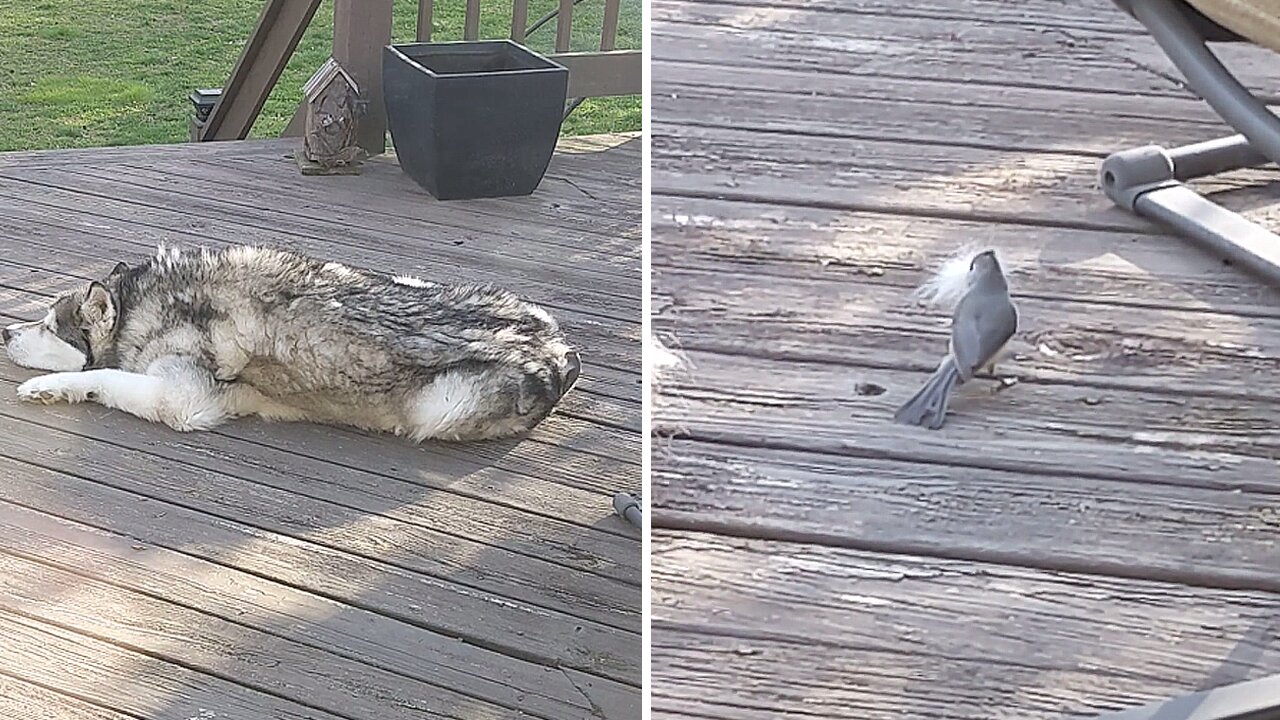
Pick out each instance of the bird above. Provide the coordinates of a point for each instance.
(984, 321)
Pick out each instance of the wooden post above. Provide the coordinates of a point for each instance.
(471, 21)
(424, 20)
(609, 30)
(564, 25)
(361, 28)
(519, 19)
(279, 29)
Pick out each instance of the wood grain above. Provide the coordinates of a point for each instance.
(295, 615)
(1031, 428)
(21, 699)
(443, 606)
(545, 520)
(796, 245)
(131, 682)
(754, 629)
(926, 110)
(959, 49)
(324, 569)
(1189, 354)
(449, 557)
(1094, 532)
(1184, 532)
(361, 28)
(519, 275)
(260, 661)
(1099, 15)
(1052, 189)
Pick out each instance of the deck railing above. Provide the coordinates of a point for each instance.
(360, 30)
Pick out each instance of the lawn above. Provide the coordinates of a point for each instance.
(118, 72)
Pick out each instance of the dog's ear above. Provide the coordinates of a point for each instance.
(98, 308)
(119, 269)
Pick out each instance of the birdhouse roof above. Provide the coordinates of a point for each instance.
(322, 77)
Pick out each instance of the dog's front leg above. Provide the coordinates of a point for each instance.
(174, 391)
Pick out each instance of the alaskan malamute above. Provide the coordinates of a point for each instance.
(192, 338)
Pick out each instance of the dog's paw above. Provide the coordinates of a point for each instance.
(50, 389)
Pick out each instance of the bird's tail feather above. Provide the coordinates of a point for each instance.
(929, 404)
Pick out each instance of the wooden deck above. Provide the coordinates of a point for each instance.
(297, 571)
(1098, 534)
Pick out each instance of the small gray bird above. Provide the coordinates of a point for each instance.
(984, 321)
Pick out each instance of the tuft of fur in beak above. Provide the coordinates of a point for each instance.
(950, 280)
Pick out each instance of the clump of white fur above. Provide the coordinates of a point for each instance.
(663, 361)
(950, 281)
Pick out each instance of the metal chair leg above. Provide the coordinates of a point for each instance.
(1149, 180)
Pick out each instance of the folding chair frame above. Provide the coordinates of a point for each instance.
(1253, 700)
(1149, 180)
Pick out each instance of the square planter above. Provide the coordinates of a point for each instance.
(473, 119)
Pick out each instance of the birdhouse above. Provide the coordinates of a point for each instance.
(332, 112)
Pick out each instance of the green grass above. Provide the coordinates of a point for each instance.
(118, 72)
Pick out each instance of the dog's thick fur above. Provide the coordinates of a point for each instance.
(192, 339)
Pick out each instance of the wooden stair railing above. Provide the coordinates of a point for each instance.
(363, 27)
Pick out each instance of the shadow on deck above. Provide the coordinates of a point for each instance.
(290, 570)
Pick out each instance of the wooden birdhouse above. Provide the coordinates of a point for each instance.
(332, 113)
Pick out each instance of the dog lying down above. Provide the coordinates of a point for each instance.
(193, 338)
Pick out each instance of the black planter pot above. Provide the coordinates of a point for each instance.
(473, 119)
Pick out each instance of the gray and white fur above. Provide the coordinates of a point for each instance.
(982, 324)
(194, 338)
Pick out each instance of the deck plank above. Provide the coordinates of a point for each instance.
(21, 699)
(1030, 427)
(1177, 531)
(295, 615)
(964, 50)
(337, 571)
(1051, 189)
(890, 251)
(823, 632)
(1058, 341)
(522, 275)
(928, 111)
(244, 539)
(262, 662)
(1097, 531)
(1096, 15)
(410, 513)
(129, 681)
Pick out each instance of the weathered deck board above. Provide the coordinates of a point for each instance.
(1091, 14)
(869, 107)
(911, 178)
(20, 699)
(967, 51)
(130, 681)
(1211, 535)
(832, 633)
(1075, 265)
(1094, 533)
(1061, 341)
(316, 621)
(291, 570)
(263, 662)
(288, 508)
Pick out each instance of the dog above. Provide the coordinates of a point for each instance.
(192, 339)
